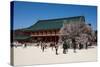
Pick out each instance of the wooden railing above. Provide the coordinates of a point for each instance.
(46, 35)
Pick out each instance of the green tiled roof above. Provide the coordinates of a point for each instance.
(21, 37)
(53, 23)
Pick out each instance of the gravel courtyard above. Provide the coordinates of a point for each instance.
(34, 55)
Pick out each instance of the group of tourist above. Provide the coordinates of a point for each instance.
(66, 44)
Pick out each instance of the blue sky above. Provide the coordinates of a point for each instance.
(28, 13)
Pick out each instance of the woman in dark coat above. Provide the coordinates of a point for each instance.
(74, 45)
(65, 47)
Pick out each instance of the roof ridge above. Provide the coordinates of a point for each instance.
(60, 18)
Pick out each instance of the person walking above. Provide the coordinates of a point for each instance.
(65, 47)
(86, 47)
(43, 46)
(80, 46)
(74, 45)
(25, 45)
(56, 48)
(52, 45)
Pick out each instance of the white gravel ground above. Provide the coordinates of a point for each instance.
(34, 55)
